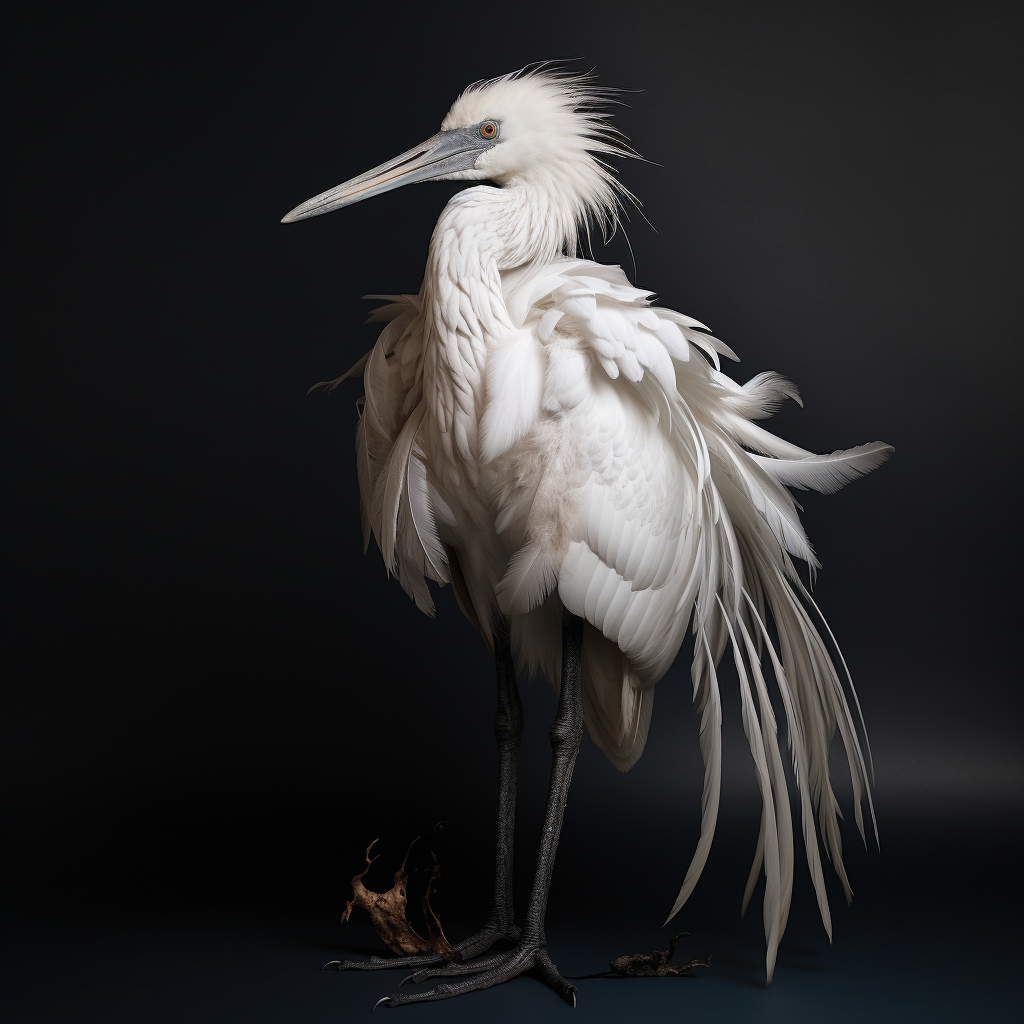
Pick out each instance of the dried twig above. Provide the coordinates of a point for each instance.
(387, 910)
(657, 964)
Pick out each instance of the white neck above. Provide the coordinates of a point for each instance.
(481, 232)
(530, 220)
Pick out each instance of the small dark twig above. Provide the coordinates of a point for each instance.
(657, 964)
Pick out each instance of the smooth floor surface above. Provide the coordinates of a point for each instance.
(928, 938)
(213, 971)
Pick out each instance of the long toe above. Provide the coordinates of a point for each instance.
(487, 973)
(483, 940)
(383, 963)
(465, 950)
(455, 968)
(549, 972)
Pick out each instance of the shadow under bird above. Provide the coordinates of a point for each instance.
(570, 457)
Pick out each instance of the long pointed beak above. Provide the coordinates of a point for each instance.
(446, 153)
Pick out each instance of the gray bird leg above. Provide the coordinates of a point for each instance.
(565, 735)
(508, 731)
(531, 950)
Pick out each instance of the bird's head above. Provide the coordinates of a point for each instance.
(538, 128)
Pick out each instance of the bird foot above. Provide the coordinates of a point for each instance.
(471, 947)
(484, 973)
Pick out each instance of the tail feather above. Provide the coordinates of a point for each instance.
(797, 748)
(705, 688)
(780, 791)
(749, 581)
(769, 843)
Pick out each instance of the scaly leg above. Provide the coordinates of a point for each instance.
(531, 950)
(508, 730)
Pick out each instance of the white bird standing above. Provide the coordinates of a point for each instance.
(572, 459)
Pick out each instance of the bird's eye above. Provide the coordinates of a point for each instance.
(489, 130)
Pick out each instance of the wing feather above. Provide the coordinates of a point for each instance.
(826, 473)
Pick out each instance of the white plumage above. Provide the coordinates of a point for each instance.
(541, 435)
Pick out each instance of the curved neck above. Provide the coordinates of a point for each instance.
(481, 232)
(541, 224)
(526, 221)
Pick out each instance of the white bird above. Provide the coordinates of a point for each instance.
(572, 459)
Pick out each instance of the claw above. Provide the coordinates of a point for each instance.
(331, 963)
(409, 977)
(383, 999)
(572, 992)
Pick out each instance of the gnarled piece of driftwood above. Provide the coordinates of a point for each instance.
(657, 964)
(387, 910)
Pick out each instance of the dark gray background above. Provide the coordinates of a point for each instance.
(217, 700)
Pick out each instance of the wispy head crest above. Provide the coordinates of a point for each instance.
(558, 123)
